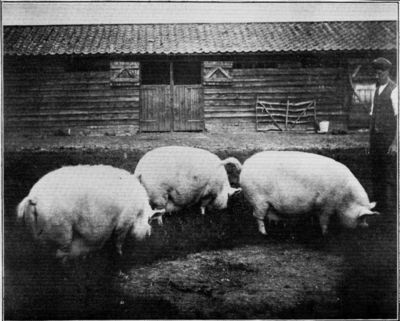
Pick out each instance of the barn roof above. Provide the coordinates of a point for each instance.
(199, 38)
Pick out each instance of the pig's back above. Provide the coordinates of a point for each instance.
(293, 165)
(79, 186)
(171, 163)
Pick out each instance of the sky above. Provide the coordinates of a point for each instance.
(97, 12)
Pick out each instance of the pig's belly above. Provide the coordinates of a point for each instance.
(294, 203)
(185, 196)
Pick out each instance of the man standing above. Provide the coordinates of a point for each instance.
(383, 137)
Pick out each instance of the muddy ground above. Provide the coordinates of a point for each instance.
(200, 267)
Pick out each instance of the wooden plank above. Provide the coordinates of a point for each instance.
(69, 118)
(58, 75)
(270, 79)
(66, 93)
(285, 84)
(268, 90)
(231, 111)
(252, 115)
(283, 71)
(65, 113)
(54, 123)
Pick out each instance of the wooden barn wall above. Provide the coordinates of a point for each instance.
(41, 96)
(234, 105)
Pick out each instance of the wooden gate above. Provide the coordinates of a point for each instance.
(166, 106)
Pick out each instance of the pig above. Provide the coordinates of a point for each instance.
(177, 176)
(289, 184)
(78, 208)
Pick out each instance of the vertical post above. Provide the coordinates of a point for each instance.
(315, 116)
(171, 88)
(287, 114)
(256, 113)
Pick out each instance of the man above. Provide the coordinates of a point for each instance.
(383, 137)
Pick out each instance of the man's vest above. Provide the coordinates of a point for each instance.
(383, 118)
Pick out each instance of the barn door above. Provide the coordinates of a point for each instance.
(187, 100)
(171, 97)
(155, 97)
(188, 108)
(155, 108)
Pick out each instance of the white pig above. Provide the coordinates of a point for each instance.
(288, 184)
(78, 208)
(177, 176)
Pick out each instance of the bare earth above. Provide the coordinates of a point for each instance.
(246, 282)
(202, 267)
(211, 141)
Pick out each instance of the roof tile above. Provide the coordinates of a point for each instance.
(206, 38)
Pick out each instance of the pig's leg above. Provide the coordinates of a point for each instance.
(324, 221)
(64, 239)
(259, 213)
(171, 207)
(162, 202)
(272, 217)
(203, 204)
(121, 235)
(79, 247)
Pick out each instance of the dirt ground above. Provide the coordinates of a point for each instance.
(199, 267)
(250, 281)
(211, 141)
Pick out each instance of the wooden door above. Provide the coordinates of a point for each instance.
(155, 107)
(171, 97)
(188, 108)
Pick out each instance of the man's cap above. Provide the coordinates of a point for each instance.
(381, 63)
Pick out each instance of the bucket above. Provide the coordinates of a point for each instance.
(323, 126)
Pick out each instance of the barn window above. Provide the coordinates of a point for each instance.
(187, 73)
(80, 64)
(155, 73)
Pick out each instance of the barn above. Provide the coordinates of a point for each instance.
(123, 79)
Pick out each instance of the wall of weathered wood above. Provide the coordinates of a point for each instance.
(41, 96)
(234, 105)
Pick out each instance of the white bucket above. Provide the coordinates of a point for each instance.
(323, 126)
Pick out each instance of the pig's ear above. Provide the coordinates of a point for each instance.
(367, 212)
(233, 191)
(156, 214)
(372, 205)
(362, 217)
